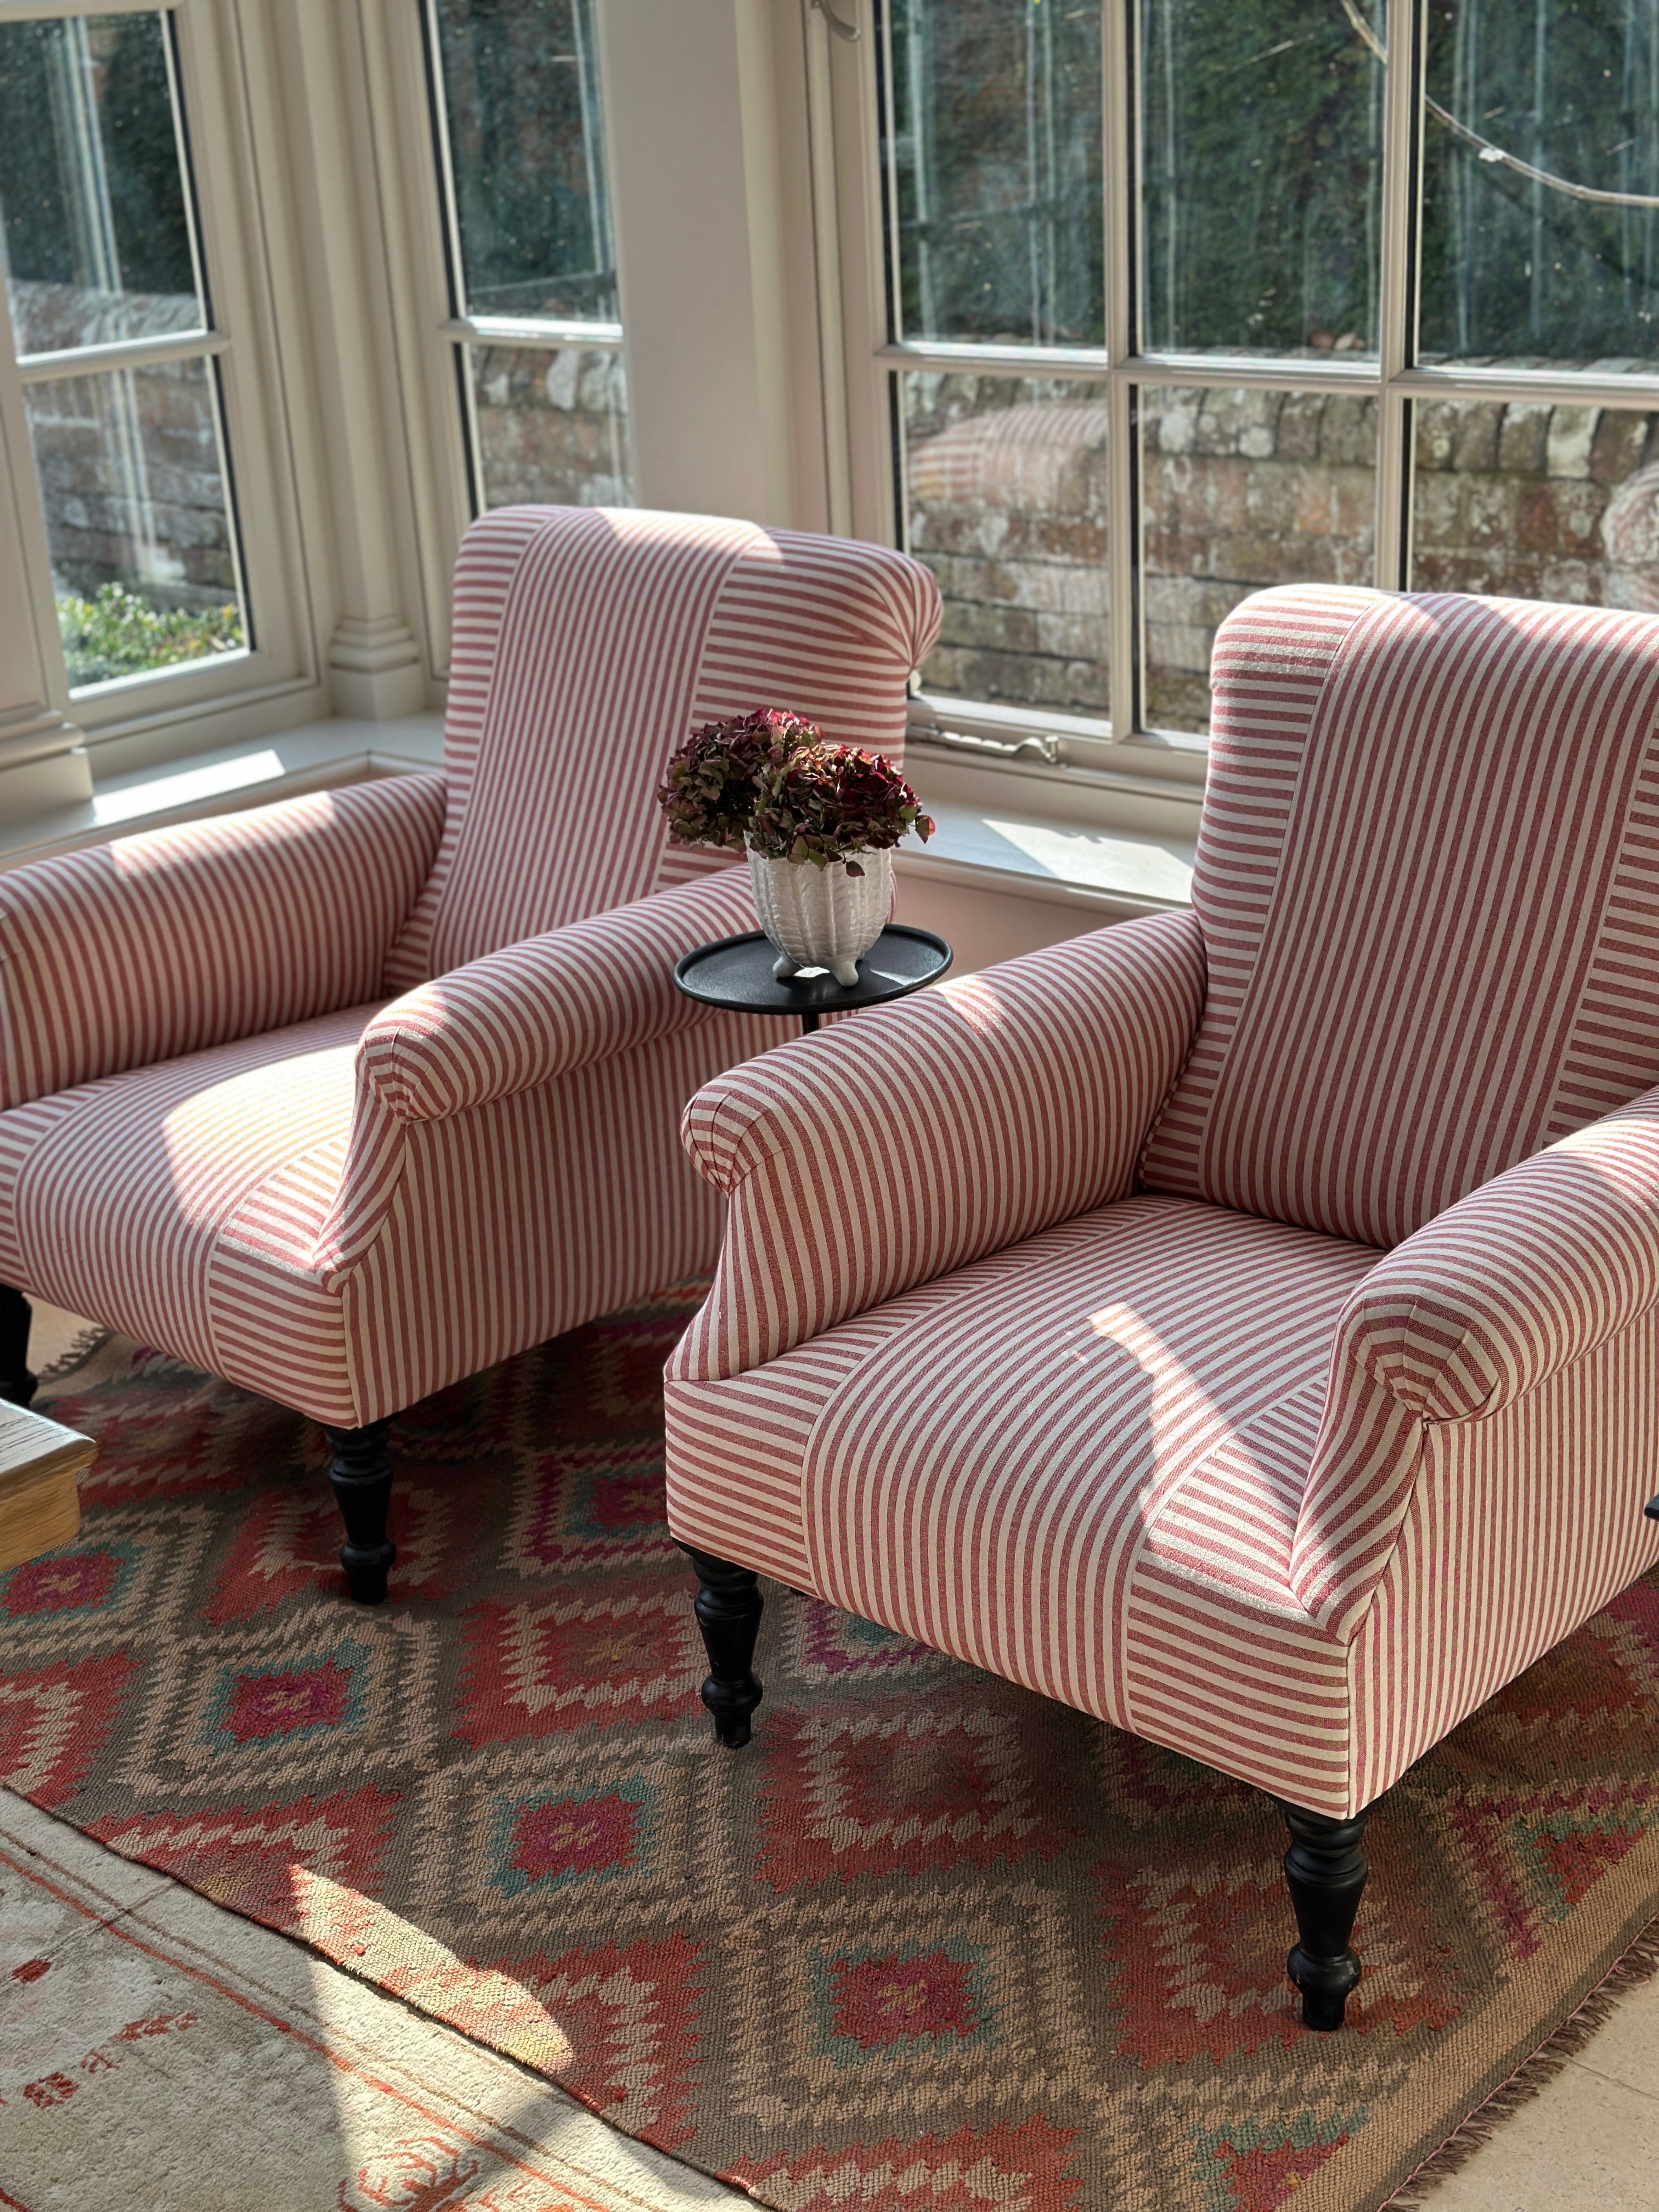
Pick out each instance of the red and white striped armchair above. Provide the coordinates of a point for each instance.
(347, 1098)
(1242, 1325)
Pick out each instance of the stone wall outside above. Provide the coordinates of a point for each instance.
(552, 426)
(1242, 489)
(1007, 496)
(134, 491)
(129, 463)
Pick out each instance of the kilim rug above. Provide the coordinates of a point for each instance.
(930, 1944)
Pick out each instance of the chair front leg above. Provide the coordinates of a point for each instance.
(1325, 1869)
(728, 1606)
(17, 1385)
(361, 1474)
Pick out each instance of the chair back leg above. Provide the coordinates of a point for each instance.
(17, 1385)
(1325, 1870)
(360, 1473)
(728, 1606)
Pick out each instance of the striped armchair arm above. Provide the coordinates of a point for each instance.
(1503, 1292)
(898, 1146)
(550, 1005)
(125, 954)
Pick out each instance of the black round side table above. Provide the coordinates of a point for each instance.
(736, 973)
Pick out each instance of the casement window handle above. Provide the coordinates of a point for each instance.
(848, 31)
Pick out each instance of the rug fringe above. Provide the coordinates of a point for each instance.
(1637, 1964)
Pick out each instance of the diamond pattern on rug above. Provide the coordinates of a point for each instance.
(586, 1817)
(857, 2017)
(931, 1944)
(853, 1793)
(1012, 2168)
(55, 1721)
(1258, 2167)
(595, 1502)
(535, 1670)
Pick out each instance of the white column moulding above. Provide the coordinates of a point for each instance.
(705, 397)
(757, 74)
(375, 663)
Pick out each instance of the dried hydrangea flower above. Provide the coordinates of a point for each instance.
(827, 802)
(709, 791)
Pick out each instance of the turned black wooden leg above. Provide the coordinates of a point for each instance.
(728, 1607)
(362, 1476)
(16, 1384)
(1325, 1869)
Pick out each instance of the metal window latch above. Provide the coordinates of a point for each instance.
(847, 31)
(1030, 747)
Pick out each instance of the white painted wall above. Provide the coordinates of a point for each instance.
(694, 192)
(983, 927)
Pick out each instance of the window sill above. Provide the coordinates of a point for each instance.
(319, 756)
(1123, 863)
(1067, 835)
(1034, 856)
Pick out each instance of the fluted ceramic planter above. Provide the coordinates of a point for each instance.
(822, 917)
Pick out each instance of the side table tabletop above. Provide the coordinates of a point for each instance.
(735, 973)
(39, 1501)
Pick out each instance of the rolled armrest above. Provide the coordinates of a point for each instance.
(135, 951)
(894, 1147)
(1533, 1271)
(538, 1009)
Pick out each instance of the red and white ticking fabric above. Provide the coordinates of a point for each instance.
(1243, 1326)
(346, 1098)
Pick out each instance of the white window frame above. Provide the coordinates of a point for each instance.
(530, 333)
(842, 72)
(127, 725)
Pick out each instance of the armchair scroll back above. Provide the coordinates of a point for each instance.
(1428, 880)
(588, 642)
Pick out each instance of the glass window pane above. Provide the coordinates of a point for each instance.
(1005, 502)
(995, 153)
(1241, 490)
(1263, 129)
(526, 145)
(552, 425)
(143, 553)
(1538, 111)
(1537, 502)
(97, 243)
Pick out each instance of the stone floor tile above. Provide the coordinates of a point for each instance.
(1583, 2144)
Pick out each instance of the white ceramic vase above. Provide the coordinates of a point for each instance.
(822, 917)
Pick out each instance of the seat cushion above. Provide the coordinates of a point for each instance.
(134, 1199)
(987, 1479)
(1076, 1463)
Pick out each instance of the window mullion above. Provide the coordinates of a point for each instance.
(1396, 319)
(125, 353)
(1120, 177)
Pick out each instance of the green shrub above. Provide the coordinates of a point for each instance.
(118, 633)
